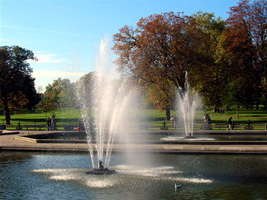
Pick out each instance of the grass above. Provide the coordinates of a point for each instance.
(151, 117)
(242, 116)
(39, 118)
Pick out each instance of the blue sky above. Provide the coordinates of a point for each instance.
(65, 34)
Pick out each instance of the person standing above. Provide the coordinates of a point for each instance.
(48, 123)
(173, 121)
(206, 122)
(53, 122)
(230, 124)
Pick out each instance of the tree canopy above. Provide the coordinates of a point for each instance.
(16, 84)
(245, 45)
(59, 94)
(162, 48)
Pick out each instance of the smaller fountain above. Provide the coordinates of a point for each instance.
(101, 170)
(189, 137)
(187, 103)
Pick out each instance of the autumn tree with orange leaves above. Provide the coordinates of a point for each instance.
(159, 52)
(245, 46)
(225, 60)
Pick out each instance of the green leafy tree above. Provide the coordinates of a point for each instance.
(16, 83)
(59, 94)
(162, 96)
(209, 77)
(30, 92)
(85, 87)
(46, 104)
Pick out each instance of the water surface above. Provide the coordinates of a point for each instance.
(25, 175)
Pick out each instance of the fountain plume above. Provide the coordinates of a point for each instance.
(187, 102)
(103, 109)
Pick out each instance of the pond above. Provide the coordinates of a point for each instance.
(29, 175)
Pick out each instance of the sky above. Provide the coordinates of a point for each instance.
(65, 35)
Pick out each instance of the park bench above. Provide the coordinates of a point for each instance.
(39, 127)
(221, 126)
(144, 127)
(2, 127)
(164, 127)
(225, 125)
(34, 126)
(27, 127)
(248, 127)
(68, 127)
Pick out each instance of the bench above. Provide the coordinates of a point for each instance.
(27, 127)
(221, 126)
(67, 127)
(2, 127)
(225, 125)
(248, 127)
(39, 127)
(164, 127)
(35, 127)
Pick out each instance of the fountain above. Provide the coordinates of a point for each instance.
(103, 107)
(186, 106)
(101, 170)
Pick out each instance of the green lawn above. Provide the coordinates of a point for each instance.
(152, 118)
(63, 116)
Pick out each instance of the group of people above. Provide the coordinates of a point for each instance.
(51, 123)
(207, 122)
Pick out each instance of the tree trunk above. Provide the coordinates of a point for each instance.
(6, 111)
(168, 113)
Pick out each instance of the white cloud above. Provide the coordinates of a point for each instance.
(57, 74)
(49, 58)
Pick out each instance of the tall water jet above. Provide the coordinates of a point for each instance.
(187, 103)
(103, 101)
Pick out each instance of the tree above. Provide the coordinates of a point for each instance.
(30, 93)
(161, 49)
(46, 105)
(15, 73)
(245, 43)
(162, 96)
(210, 77)
(59, 94)
(85, 88)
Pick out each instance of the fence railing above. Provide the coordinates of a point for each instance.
(73, 125)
